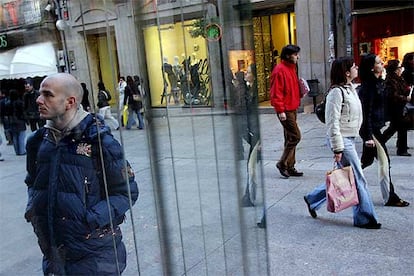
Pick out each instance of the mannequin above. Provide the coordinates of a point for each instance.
(172, 79)
(194, 59)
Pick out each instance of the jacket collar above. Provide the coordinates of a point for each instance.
(58, 134)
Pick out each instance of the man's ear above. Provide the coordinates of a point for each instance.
(70, 102)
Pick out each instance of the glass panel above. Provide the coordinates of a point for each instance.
(195, 155)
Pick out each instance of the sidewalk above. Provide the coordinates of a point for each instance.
(330, 245)
(297, 244)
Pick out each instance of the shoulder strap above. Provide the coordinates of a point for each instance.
(340, 88)
(343, 95)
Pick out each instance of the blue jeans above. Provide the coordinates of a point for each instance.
(19, 141)
(131, 119)
(363, 212)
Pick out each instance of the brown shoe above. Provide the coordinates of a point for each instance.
(284, 172)
(294, 172)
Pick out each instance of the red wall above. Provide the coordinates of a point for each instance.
(368, 27)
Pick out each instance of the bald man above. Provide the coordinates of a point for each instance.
(59, 101)
(76, 224)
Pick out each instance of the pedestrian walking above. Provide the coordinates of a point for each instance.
(17, 123)
(79, 188)
(373, 99)
(133, 99)
(121, 89)
(285, 98)
(85, 98)
(104, 96)
(245, 103)
(408, 64)
(343, 120)
(398, 95)
(408, 76)
(5, 109)
(30, 107)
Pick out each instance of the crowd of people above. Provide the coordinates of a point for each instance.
(18, 110)
(351, 112)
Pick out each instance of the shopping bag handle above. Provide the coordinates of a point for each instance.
(337, 165)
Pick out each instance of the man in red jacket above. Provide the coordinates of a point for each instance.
(285, 98)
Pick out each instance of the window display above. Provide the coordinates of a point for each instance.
(184, 68)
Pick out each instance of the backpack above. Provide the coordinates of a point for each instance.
(320, 108)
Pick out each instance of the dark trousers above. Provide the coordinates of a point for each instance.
(292, 135)
(397, 125)
(370, 153)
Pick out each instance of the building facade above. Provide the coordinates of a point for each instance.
(187, 53)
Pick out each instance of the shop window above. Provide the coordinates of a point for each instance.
(179, 67)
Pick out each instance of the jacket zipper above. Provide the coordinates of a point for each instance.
(86, 184)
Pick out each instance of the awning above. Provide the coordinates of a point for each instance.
(34, 60)
(5, 60)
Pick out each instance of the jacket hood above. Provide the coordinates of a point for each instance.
(83, 123)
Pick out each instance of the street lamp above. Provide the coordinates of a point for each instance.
(61, 25)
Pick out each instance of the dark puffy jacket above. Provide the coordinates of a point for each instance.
(397, 92)
(67, 204)
(31, 110)
(17, 120)
(373, 99)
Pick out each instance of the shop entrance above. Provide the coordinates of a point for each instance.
(102, 54)
(271, 33)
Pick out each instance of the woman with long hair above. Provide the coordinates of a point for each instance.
(343, 120)
(373, 98)
(133, 99)
(398, 95)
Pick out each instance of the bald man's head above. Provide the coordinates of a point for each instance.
(67, 84)
(60, 99)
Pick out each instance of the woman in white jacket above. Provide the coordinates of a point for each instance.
(343, 120)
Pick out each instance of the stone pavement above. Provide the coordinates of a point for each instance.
(181, 154)
(330, 245)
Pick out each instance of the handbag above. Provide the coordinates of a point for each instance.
(341, 191)
(136, 97)
(125, 114)
(303, 87)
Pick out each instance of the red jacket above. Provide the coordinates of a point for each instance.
(284, 87)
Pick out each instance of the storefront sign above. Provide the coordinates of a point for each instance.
(213, 32)
(3, 41)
